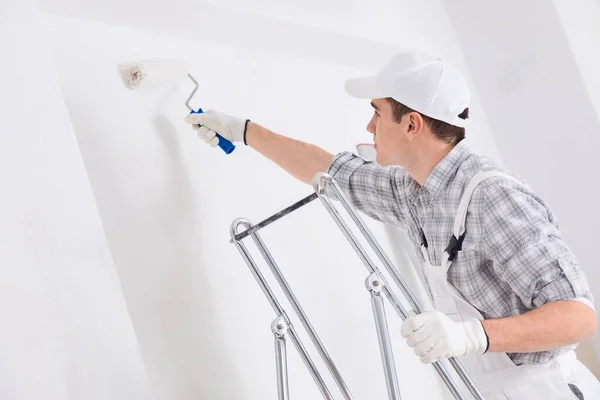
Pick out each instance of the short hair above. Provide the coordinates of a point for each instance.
(442, 130)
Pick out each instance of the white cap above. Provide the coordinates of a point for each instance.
(425, 84)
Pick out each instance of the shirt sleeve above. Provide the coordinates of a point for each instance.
(374, 190)
(527, 252)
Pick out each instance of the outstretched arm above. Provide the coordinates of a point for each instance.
(301, 160)
(377, 191)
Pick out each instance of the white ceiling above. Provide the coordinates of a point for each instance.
(362, 34)
(406, 23)
(201, 21)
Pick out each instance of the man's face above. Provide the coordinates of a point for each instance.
(390, 137)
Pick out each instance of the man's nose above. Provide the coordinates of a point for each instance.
(371, 125)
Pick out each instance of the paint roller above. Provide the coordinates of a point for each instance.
(150, 74)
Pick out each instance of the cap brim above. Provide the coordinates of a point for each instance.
(365, 88)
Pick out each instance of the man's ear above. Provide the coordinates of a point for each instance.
(415, 124)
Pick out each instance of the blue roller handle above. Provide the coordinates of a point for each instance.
(224, 144)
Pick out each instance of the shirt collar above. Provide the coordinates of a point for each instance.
(445, 169)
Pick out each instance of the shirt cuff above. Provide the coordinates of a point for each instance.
(338, 161)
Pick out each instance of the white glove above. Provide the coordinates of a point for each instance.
(213, 122)
(433, 336)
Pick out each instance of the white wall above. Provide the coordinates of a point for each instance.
(65, 331)
(539, 107)
(580, 21)
(166, 202)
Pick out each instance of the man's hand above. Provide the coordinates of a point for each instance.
(211, 122)
(433, 336)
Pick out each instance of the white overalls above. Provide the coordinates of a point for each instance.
(496, 376)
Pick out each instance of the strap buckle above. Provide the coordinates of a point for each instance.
(454, 246)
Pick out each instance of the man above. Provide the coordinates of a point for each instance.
(510, 298)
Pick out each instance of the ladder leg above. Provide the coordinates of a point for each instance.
(312, 333)
(279, 328)
(260, 279)
(374, 284)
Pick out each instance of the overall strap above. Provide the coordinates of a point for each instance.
(458, 231)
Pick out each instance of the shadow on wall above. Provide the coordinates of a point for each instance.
(151, 221)
(185, 284)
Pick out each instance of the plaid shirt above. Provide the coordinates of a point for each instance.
(513, 258)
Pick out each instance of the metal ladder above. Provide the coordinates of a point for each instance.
(326, 189)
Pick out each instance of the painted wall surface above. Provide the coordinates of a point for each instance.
(167, 200)
(65, 331)
(540, 109)
(581, 23)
